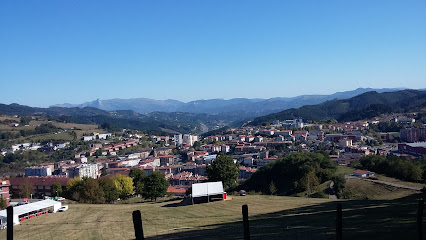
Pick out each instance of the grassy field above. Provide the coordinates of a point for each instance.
(343, 170)
(375, 191)
(66, 136)
(79, 129)
(270, 217)
(394, 180)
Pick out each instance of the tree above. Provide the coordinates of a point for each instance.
(308, 182)
(104, 172)
(272, 188)
(155, 186)
(124, 185)
(56, 189)
(91, 192)
(3, 203)
(74, 187)
(339, 182)
(138, 177)
(223, 169)
(25, 120)
(98, 152)
(110, 190)
(26, 188)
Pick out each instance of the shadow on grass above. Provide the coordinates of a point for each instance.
(366, 219)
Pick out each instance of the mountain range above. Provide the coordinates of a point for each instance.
(207, 115)
(236, 107)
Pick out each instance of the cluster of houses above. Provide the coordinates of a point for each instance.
(35, 146)
(249, 146)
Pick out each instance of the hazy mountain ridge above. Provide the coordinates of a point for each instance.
(248, 107)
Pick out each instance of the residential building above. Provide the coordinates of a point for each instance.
(411, 135)
(40, 171)
(167, 160)
(84, 170)
(344, 142)
(363, 173)
(285, 133)
(42, 186)
(178, 139)
(418, 148)
(185, 179)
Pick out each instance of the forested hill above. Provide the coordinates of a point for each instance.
(156, 122)
(363, 106)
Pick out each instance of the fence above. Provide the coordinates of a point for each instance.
(240, 227)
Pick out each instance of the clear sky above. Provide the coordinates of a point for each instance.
(76, 51)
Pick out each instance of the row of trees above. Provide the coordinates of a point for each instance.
(108, 190)
(394, 166)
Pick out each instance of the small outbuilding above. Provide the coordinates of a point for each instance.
(362, 173)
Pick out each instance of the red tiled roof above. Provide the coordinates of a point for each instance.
(40, 181)
(361, 171)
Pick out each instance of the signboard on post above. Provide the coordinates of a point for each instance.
(207, 189)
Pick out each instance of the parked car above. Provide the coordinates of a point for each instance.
(63, 208)
(243, 193)
(60, 199)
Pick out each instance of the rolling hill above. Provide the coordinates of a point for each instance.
(363, 106)
(160, 122)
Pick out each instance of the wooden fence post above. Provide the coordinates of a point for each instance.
(339, 222)
(420, 219)
(9, 212)
(137, 224)
(246, 226)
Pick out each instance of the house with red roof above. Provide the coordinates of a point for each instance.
(362, 173)
(177, 191)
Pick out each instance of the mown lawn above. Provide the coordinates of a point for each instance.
(271, 217)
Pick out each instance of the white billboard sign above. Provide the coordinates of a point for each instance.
(207, 189)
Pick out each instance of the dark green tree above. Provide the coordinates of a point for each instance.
(223, 169)
(110, 190)
(155, 186)
(91, 192)
(138, 177)
(56, 189)
(104, 172)
(339, 184)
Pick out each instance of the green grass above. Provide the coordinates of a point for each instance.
(342, 170)
(375, 191)
(66, 136)
(394, 180)
(270, 216)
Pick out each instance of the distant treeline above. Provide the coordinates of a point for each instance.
(394, 166)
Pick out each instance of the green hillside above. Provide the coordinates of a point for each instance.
(156, 122)
(364, 106)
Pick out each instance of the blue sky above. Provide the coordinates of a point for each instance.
(76, 51)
